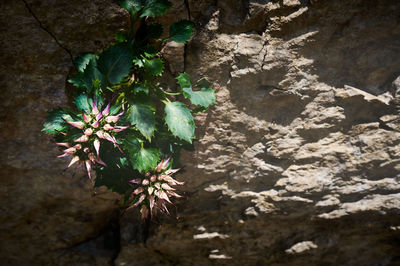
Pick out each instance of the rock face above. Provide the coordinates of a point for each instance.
(48, 216)
(298, 163)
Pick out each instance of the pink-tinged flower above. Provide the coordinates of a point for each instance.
(151, 202)
(119, 128)
(138, 191)
(95, 110)
(64, 144)
(108, 127)
(153, 193)
(141, 198)
(74, 160)
(144, 211)
(99, 116)
(88, 169)
(166, 186)
(83, 138)
(96, 144)
(88, 132)
(86, 118)
(106, 110)
(70, 151)
(94, 126)
(132, 79)
(114, 118)
(77, 124)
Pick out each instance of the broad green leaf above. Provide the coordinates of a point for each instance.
(138, 62)
(140, 88)
(82, 61)
(184, 81)
(181, 31)
(131, 144)
(121, 37)
(155, 31)
(205, 97)
(114, 109)
(154, 66)
(116, 62)
(145, 159)
(202, 83)
(179, 120)
(55, 121)
(86, 79)
(82, 103)
(153, 8)
(132, 6)
(149, 51)
(143, 118)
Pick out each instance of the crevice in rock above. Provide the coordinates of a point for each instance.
(48, 31)
(104, 246)
(186, 3)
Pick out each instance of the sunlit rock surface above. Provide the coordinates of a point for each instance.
(298, 163)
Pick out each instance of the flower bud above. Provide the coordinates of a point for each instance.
(86, 118)
(88, 132)
(78, 146)
(108, 127)
(138, 191)
(78, 124)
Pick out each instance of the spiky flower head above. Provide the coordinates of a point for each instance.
(95, 127)
(154, 190)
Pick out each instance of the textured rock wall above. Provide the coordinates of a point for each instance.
(297, 164)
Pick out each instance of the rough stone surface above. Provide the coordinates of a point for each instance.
(298, 163)
(47, 215)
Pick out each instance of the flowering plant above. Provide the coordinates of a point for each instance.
(125, 125)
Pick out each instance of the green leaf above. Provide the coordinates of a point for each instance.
(138, 62)
(155, 31)
(145, 159)
(142, 116)
(132, 6)
(184, 80)
(179, 120)
(82, 103)
(86, 79)
(82, 61)
(203, 83)
(131, 144)
(121, 37)
(55, 121)
(140, 88)
(204, 97)
(181, 31)
(154, 66)
(114, 109)
(153, 8)
(149, 51)
(116, 62)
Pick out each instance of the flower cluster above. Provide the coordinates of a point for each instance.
(95, 126)
(154, 190)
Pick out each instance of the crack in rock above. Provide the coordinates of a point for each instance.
(48, 31)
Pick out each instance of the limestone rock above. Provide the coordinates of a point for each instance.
(298, 163)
